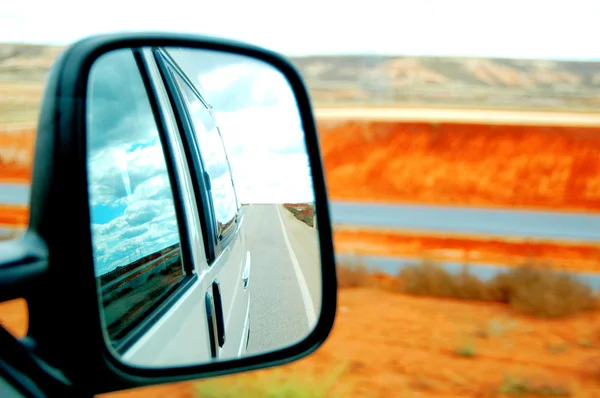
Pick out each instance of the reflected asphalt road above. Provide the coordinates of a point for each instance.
(282, 299)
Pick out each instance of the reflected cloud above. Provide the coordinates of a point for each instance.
(259, 121)
(234, 82)
(142, 229)
(268, 155)
(131, 202)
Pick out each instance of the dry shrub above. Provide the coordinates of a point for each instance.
(305, 218)
(527, 387)
(352, 275)
(542, 292)
(303, 212)
(535, 291)
(429, 279)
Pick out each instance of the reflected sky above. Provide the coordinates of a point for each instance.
(259, 120)
(214, 157)
(132, 208)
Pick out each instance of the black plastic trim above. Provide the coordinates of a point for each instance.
(184, 241)
(30, 375)
(216, 292)
(227, 239)
(163, 52)
(183, 112)
(212, 323)
(23, 265)
(221, 241)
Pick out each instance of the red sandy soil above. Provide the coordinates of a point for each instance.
(469, 248)
(13, 215)
(544, 167)
(408, 346)
(16, 153)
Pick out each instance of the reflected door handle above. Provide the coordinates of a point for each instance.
(211, 316)
(246, 273)
(216, 290)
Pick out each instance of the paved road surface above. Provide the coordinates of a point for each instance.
(518, 223)
(279, 311)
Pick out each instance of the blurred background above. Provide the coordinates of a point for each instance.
(461, 146)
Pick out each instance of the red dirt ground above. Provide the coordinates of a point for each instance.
(16, 154)
(13, 215)
(468, 248)
(429, 347)
(407, 346)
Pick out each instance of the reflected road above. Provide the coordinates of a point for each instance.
(279, 307)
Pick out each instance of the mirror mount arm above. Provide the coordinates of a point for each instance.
(29, 373)
(23, 270)
(23, 267)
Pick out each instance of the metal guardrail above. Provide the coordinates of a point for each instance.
(138, 280)
(140, 270)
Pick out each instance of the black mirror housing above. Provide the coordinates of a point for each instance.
(65, 323)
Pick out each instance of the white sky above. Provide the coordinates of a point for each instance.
(508, 28)
(263, 136)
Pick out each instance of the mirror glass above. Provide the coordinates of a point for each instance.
(203, 220)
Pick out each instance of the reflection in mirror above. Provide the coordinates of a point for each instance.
(202, 207)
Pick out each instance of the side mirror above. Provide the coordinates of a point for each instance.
(173, 232)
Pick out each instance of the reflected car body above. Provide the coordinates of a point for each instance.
(188, 302)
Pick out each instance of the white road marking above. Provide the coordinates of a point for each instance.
(245, 331)
(308, 303)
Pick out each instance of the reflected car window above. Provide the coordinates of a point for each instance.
(215, 160)
(136, 245)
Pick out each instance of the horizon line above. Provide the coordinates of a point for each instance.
(363, 53)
